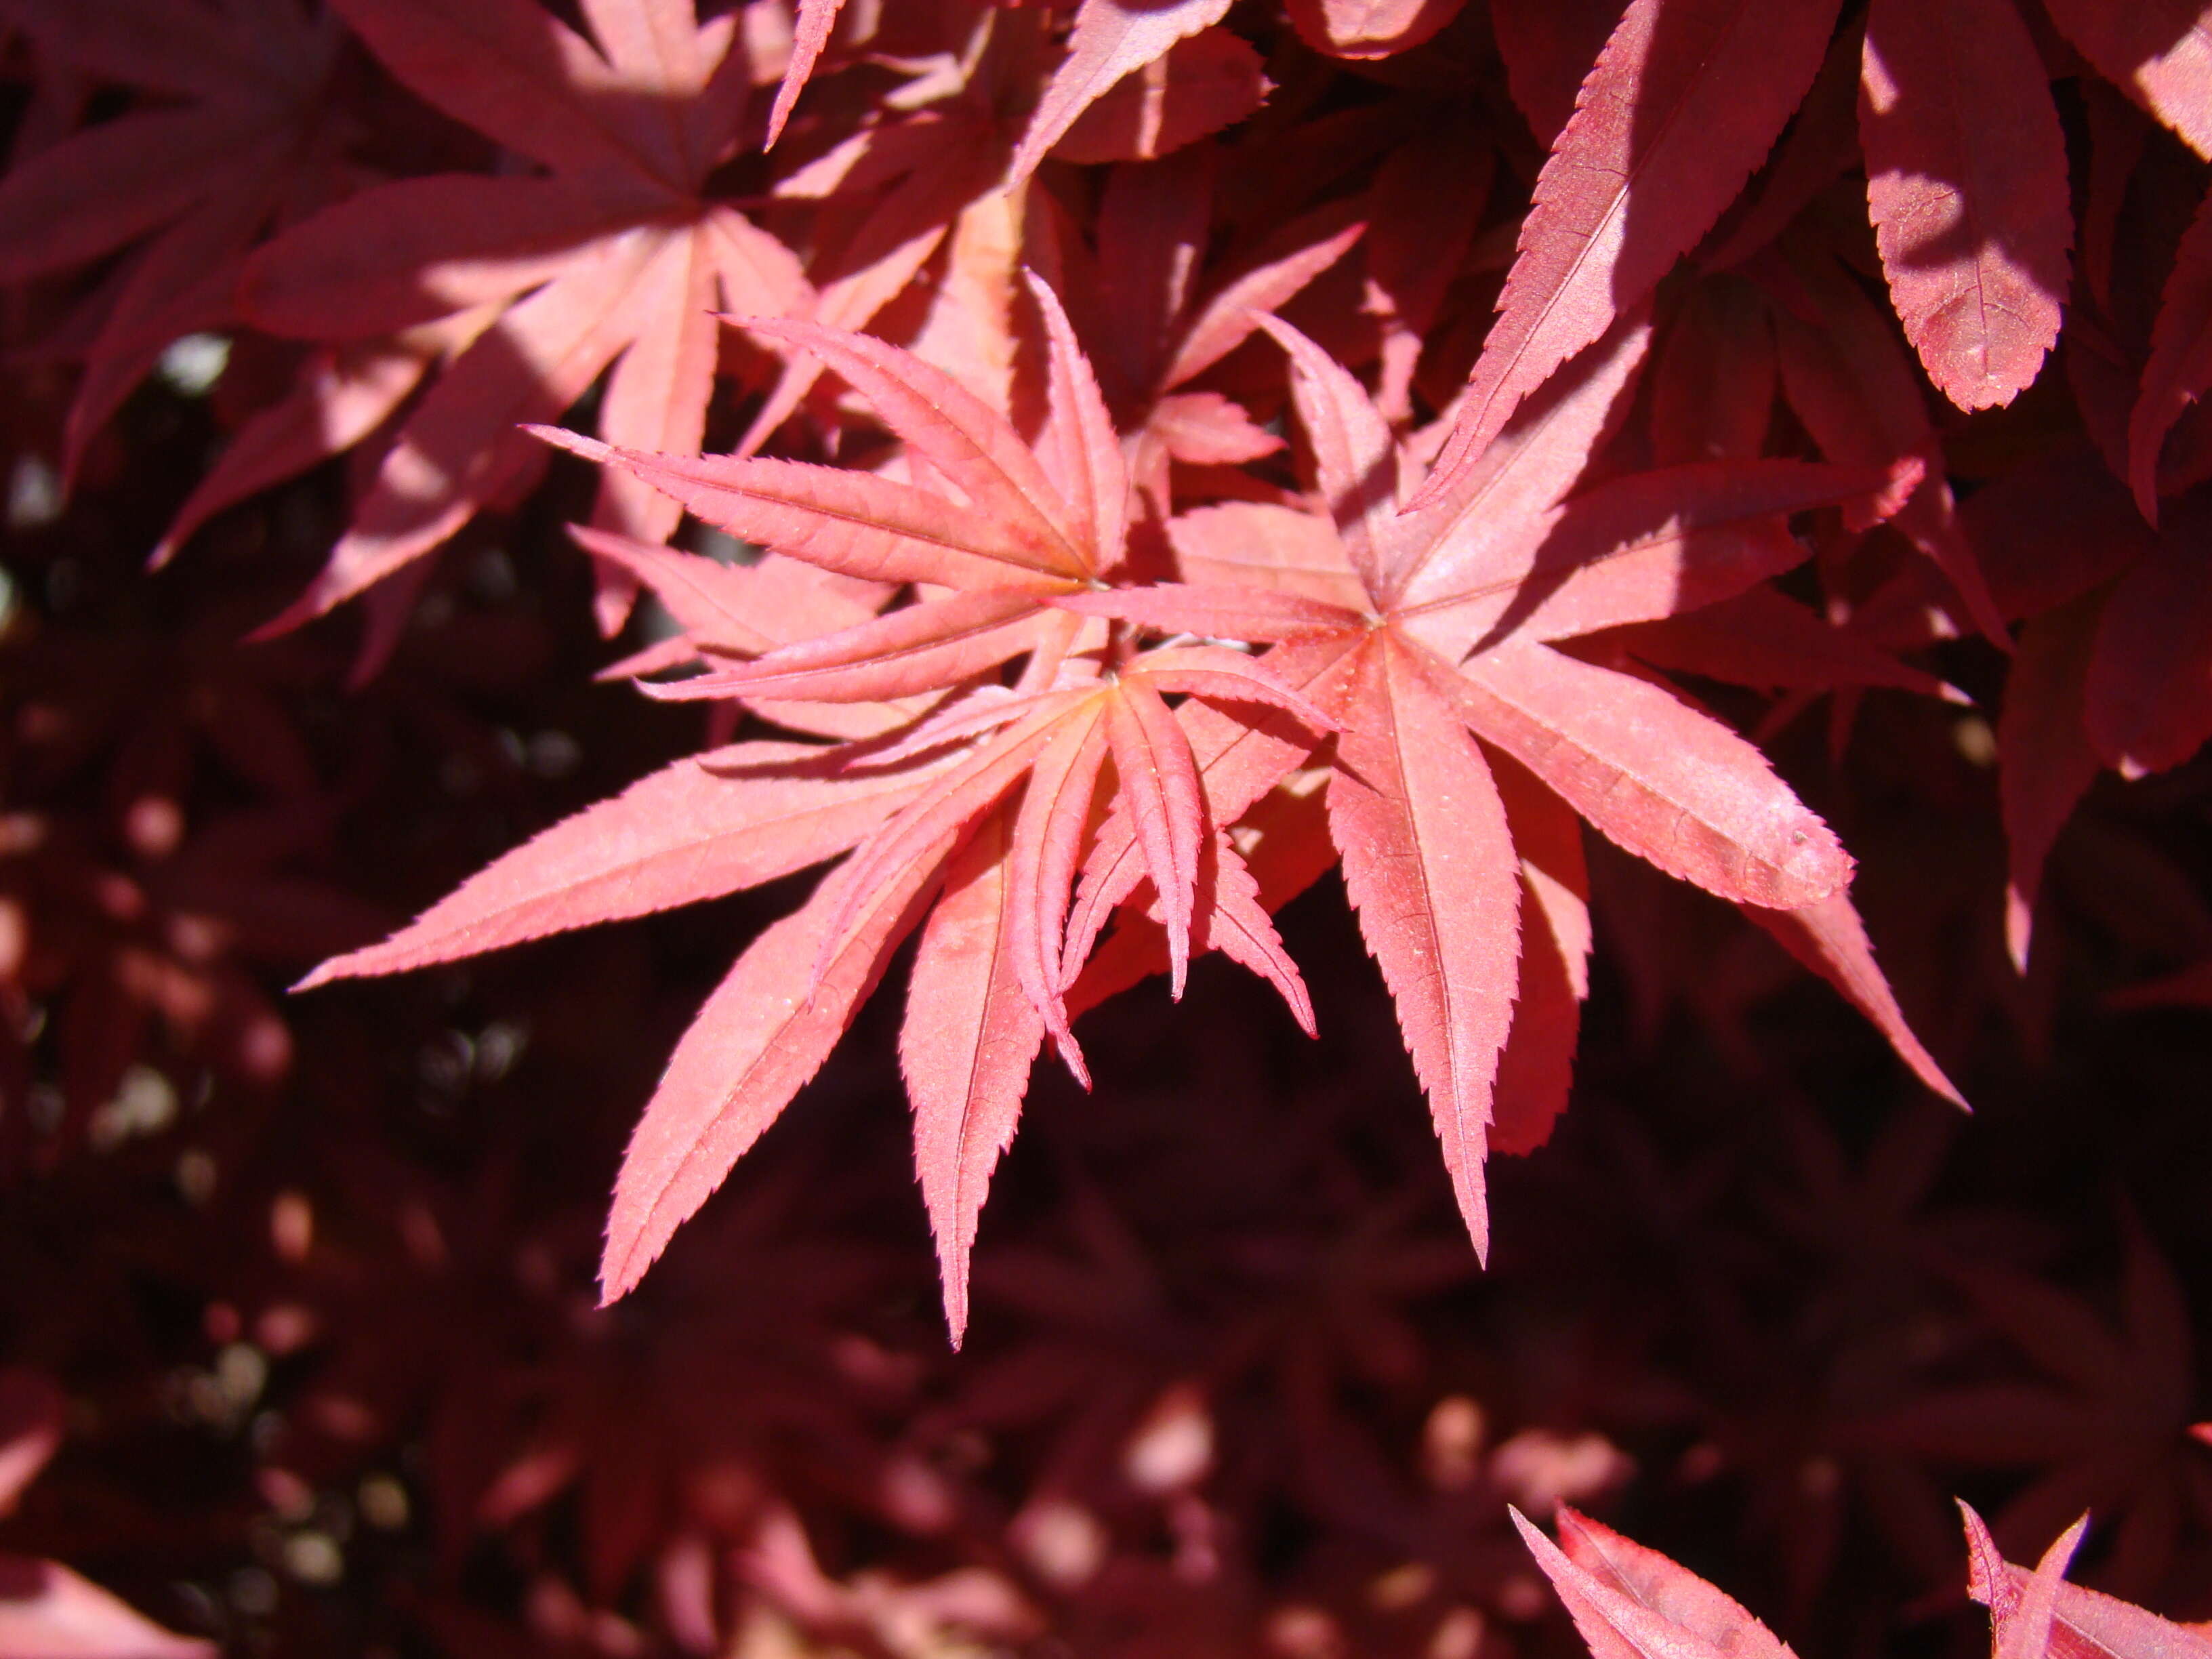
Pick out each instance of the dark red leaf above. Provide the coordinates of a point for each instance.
(2149, 698)
(2181, 366)
(2046, 760)
(2157, 52)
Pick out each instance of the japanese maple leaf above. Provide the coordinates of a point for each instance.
(1681, 105)
(140, 924)
(890, 193)
(1159, 318)
(567, 1419)
(816, 19)
(612, 256)
(1851, 381)
(2035, 1613)
(1632, 1602)
(1019, 527)
(1548, 49)
(1713, 381)
(893, 191)
(244, 134)
(1111, 39)
(1137, 80)
(2103, 1425)
(1426, 632)
(1010, 528)
(339, 397)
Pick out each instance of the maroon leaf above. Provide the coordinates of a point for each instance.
(2181, 366)
(1226, 316)
(1536, 1069)
(1854, 388)
(2046, 760)
(422, 248)
(1548, 47)
(1762, 639)
(459, 449)
(510, 69)
(2149, 693)
(339, 399)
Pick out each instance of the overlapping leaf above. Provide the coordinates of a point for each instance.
(1631, 1602)
(2034, 1613)
(614, 257)
(1011, 526)
(1681, 105)
(185, 187)
(1436, 627)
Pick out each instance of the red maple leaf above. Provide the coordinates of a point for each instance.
(1011, 527)
(2035, 1614)
(1631, 1602)
(253, 139)
(614, 255)
(1426, 629)
(1679, 108)
(2103, 1424)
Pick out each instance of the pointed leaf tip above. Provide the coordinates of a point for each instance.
(816, 18)
(575, 442)
(1111, 39)
(754, 1045)
(966, 1048)
(1630, 1601)
(1680, 107)
(1430, 868)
